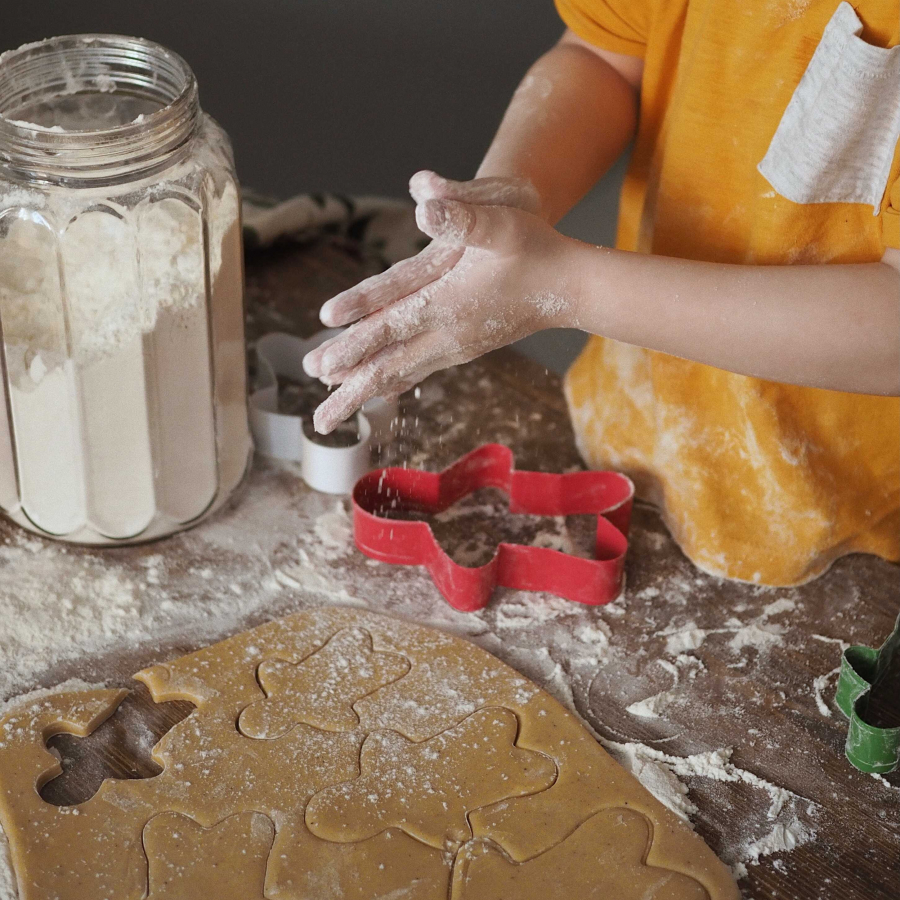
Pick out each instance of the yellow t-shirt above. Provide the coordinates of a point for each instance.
(759, 481)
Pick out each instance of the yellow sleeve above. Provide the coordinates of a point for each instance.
(890, 209)
(617, 25)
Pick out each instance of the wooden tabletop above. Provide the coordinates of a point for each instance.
(769, 705)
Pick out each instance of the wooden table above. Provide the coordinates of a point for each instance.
(760, 701)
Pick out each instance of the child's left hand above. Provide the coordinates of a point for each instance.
(511, 280)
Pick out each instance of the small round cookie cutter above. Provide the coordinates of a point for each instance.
(329, 469)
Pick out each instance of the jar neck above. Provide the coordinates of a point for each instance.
(67, 110)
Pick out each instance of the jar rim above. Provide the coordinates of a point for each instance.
(95, 63)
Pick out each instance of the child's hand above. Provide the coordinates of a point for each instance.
(438, 258)
(507, 279)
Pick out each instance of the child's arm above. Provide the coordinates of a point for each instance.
(828, 326)
(568, 122)
(571, 117)
(505, 273)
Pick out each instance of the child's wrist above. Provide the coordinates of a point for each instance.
(596, 306)
(574, 283)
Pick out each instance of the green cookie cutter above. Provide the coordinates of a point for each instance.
(870, 749)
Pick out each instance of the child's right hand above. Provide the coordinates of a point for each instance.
(434, 261)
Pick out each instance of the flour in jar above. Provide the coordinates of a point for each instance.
(127, 418)
(117, 276)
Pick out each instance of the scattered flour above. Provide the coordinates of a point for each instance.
(761, 636)
(88, 605)
(71, 684)
(528, 614)
(283, 548)
(786, 820)
(759, 633)
(830, 640)
(661, 774)
(551, 673)
(884, 782)
(285, 580)
(819, 685)
(596, 636)
(688, 637)
(655, 775)
(820, 682)
(782, 837)
(652, 707)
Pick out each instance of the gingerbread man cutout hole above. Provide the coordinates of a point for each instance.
(120, 748)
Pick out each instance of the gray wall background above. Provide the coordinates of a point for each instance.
(350, 96)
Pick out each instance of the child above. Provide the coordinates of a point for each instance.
(746, 363)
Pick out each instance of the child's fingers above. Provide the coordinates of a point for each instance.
(486, 227)
(378, 376)
(494, 191)
(399, 281)
(399, 322)
(338, 377)
(312, 362)
(366, 382)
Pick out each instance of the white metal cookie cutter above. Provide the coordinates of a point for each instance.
(332, 470)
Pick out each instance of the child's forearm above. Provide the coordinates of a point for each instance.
(827, 326)
(572, 116)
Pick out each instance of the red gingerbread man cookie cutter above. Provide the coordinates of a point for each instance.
(608, 495)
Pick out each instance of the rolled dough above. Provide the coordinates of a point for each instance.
(340, 754)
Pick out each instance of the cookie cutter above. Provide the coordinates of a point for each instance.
(869, 748)
(607, 495)
(330, 469)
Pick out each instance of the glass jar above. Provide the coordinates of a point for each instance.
(123, 397)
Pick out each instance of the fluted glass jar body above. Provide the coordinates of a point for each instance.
(123, 392)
